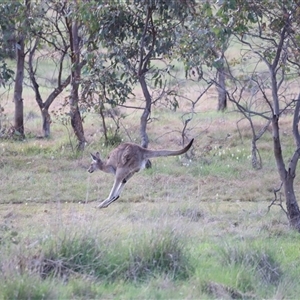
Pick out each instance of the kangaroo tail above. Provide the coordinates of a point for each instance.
(159, 153)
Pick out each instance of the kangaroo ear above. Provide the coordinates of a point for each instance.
(94, 158)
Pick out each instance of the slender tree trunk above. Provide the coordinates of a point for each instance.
(18, 89)
(291, 202)
(44, 106)
(76, 120)
(146, 112)
(101, 112)
(142, 70)
(256, 163)
(145, 115)
(46, 122)
(287, 177)
(222, 97)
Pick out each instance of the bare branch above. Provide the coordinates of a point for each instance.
(31, 71)
(277, 201)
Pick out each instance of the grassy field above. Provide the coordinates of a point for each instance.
(196, 227)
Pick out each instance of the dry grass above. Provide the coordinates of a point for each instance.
(212, 200)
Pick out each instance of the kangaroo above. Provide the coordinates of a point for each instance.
(124, 161)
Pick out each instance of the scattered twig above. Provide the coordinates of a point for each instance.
(280, 201)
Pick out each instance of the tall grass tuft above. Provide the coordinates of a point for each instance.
(256, 267)
(144, 257)
(26, 287)
(72, 254)
(161, 253)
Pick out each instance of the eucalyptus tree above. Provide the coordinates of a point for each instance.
(22, 23)
(26, 27)
(56, 38)
(7, 42)
(137, 35)
(49, 43)
(73, 25)
(202, 45)
(15, 19)
(269, 33)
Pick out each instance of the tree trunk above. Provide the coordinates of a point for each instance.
(256, 161)
(18, 89)
(146, 112)
(76, 120)
(291, 202)
(287, 177)
(46, 122)
(222, 97)
(145, 116)
(101, 112)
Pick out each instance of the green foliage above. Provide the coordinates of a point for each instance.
(6, 74)
(203, 40)
(113, 86)
(11, 12)
(113, 139)
(132, 51)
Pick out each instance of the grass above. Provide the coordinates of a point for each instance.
(192, 227)
(171, 249)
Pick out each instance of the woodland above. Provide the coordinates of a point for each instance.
(83, 76)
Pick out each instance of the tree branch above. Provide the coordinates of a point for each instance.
(38, 96)
(141, 67)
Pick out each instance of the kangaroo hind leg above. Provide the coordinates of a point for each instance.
(113, 195)
(122, 185)
(116, 190)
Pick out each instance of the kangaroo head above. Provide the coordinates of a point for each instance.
(96, 163)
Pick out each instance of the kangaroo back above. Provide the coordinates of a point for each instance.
(158, 153)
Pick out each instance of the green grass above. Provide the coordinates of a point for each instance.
(176, 250)
(27, 287)
(192, 227)
(168, 263)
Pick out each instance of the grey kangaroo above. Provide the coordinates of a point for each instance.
(124, 161)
